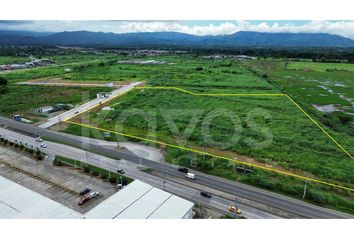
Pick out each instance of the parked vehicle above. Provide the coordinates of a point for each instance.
(205, 194)
(84, 191)
(121, 171)
(44, 145)
(190, 176)
(94, 194)
(183, 169)
(38, 139)
(234, 209)
(83, 200)
(120, 186)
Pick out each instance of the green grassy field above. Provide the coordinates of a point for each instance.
(296, 146)
(315, 89)
(21, 99)
(321, 67)
(262, 128)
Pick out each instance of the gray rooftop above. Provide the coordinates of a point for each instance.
(141, 201)
(17, 201)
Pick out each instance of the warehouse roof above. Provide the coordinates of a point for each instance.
(141, 201)
(17, 201)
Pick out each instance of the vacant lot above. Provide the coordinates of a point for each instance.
(21, 99)
(262, 128)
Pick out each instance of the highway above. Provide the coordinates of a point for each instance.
(84, 107)
(185, 188)
(268, 198)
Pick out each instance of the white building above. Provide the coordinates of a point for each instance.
(142, 201)
(17, 202)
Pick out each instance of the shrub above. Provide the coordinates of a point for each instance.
(94, 173)
(103, 176)
(57, 162)
(86, 169)
(112, 179)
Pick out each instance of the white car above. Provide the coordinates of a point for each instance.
(44, 145)
(94, 194)
(38, 139)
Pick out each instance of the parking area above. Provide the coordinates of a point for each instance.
(61, 184)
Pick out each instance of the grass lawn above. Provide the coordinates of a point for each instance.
(21, 99)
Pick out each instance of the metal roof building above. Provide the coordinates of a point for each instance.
(17, 201)
(142, 201)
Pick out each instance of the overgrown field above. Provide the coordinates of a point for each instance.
(270, 131)
(254, 126)
(315, 85)
(21, 99)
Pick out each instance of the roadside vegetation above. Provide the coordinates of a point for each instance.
(112, 177)
(297, 145)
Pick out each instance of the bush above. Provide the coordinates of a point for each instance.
(94, 173)
(86, 169)
(103, 176)
(57, 162)
(40, 156)
(112, 179)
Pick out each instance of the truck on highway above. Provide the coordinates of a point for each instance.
(190, 176)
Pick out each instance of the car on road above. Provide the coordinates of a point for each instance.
(121, 171)
(234, 209)
(39, 139)
(205, 194)
(190, 176)
(76, 112)
(94, 194)
(83, 200)
(183, 169)
(120, 186)
(84, 191)
(44, 145)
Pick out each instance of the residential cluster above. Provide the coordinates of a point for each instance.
(32, 64)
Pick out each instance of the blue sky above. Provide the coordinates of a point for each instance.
(213, 27)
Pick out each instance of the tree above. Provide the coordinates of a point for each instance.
(3, 81)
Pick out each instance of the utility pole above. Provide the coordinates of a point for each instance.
(305, 187)
(236, 206)
(121, 180)
(204, 146)
(164, 185)
(60, 123)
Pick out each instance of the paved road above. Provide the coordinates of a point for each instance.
(133, 170)
(67, 84)
(54, 120)
(268, 198)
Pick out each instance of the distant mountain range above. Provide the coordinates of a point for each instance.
(174, 39)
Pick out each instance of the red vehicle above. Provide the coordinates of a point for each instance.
(83, 200)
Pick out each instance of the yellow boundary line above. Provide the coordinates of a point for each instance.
(213, 155)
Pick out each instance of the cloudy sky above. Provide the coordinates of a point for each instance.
(342, 28)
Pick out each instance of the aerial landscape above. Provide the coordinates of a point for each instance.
(170, 124)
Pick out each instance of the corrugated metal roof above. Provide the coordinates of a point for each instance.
(17, 201)
(141, 201)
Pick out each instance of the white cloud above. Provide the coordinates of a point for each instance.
(343, 28)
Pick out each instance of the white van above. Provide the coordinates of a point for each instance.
(190, 176)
